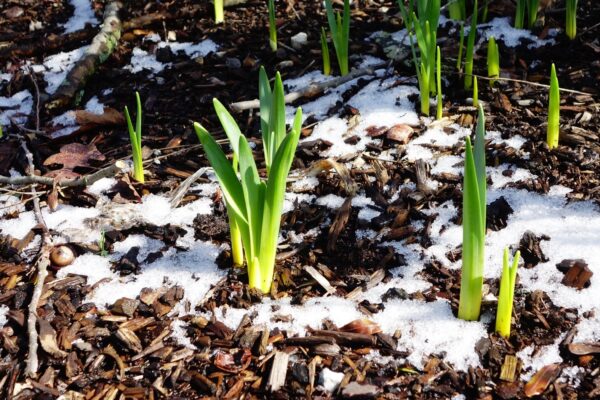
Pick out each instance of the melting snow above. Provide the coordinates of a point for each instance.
(82, 15)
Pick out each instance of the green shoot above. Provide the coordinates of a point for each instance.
(474, 216)
(520, 14)
(425, 25)
(272, 25)
(571, 19)
(471, 49)
(135, 136)
(533, 11)
(493, 60)
(102, 244)
(475, 92)
(219, 13)
(325, 53)
(457, 10)
(506, 294)
(484, 13)
(256, 204)
(461, 43)
(553, 111)
(339, 26)
(438, 76)
(1, 132)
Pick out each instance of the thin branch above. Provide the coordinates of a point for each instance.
(311, 90)
(85, 180)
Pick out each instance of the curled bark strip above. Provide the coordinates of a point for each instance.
(101, 48)
(311, 90)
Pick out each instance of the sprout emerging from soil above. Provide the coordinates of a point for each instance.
(135, 136)
(533, 6)
(553, 111)
(571, 19)
(256, 204)
(339, 26)
(471, 49)
(493, 60)
(325, 53)
(272, 25)
(506, 294)
(219, 13)
(474, 216)
(425, 25)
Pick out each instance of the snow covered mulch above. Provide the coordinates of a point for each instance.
(427, 327)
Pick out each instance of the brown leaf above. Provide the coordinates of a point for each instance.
(48, 339)
(400, 133)
(88, 120)
(582, 349)
(53, 199)
(75, 155)
(8, 152)
(361, 326)
(541, 380)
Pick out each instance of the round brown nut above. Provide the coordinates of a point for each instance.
(61, 256)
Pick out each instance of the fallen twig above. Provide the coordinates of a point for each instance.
(310, 90)
(85, 180)
(102, 46)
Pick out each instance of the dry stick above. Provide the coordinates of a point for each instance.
(102, 46)
(86, 180)
(43, 260)
(310, 90)
(530, 83)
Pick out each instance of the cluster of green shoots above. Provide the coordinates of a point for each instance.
(473, 249)
(135, 136)
(474, 217)
(255, 204)
(424, 22)
(339, 26)
(506, 294)
(272, 25)
(553, 129)
(526, 8)
(571, 19)
(219, 12)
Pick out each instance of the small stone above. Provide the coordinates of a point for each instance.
(299, 40)
(356, 390)
(400, 133)
(233, 63)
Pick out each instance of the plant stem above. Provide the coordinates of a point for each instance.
(439, 84)
(219, 13)
(553, 130)
(470, 49)
(325, 53)
(272, 26)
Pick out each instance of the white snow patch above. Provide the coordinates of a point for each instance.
(142, 60)
(17, 107)
(83, 14)
(533, 361)
(3, 311)
(101, 186)
(330, 380)
(57, 66)
(94, 106)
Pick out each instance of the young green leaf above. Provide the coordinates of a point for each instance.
(571, 19)
(553, 129)
(506, 294)
(471, 49)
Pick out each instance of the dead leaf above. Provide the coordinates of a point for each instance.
(48, 339)
(75, 155)
(361, 326)
(541, 380)
(88, 120)
(338, 225)
(582, 349)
